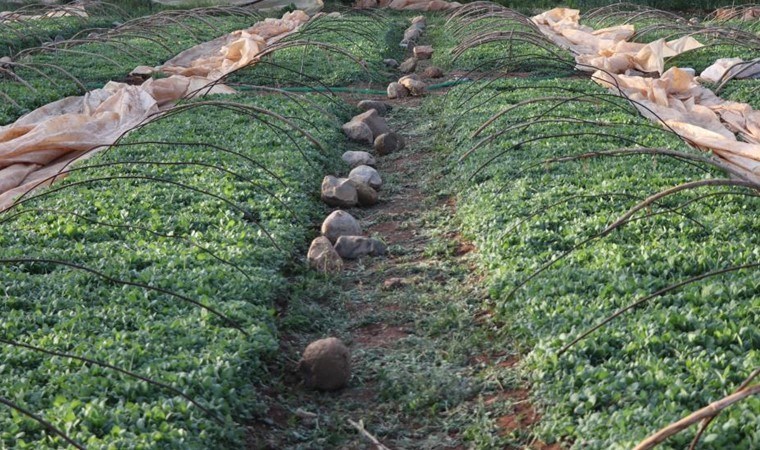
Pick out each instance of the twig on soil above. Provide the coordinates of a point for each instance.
(360, 427)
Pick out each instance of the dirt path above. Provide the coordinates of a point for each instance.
(429, 371)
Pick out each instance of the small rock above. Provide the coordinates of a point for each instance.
(388, 143)
(326, 364)
(340, 223)
(393, 283)
(357, 131)
(381, 107)
(366, 175)
(409, 65)
(415, 87)
(366, 195)
(323, 257)
(432, 72)
(370, 120)
(339, 192)
(423, 52)
(378, 248)
(354, 247)
(413, 33)
(395, 90)
(142, 71)
(390, 62)
(354, 159)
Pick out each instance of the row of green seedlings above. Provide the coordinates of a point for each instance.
(653, 205)
(331, 50)
(38, 75)
(113, 240)
(299, 112)
(467, 100)
(20, 29)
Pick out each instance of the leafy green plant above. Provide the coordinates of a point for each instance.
(138, 297)
(525, 208)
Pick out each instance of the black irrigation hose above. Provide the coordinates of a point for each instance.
(544, 137)
(48, 426)
(659, 293)
(106, 365)
(626, 218)
(247, 215)
(212, 310)
(131, 227)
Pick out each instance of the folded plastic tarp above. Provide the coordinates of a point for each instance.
(674, 99)
(44, 142)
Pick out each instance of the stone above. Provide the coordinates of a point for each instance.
(339, 192)
(390, 62)
(326, 364)
(414, 86)
(354, 158)
(358, 131)
(323, 257)
(378, 248)
(340, 223)
(382, 108)
(366, 175)
(395, 90)
(409, 65)
(423, 51)
(432, 72)
(370, 120)
(354, 247)
(142, 71)
(394, 283)
(366, 195)
(388, 143)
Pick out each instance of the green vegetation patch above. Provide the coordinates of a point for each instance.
(195, 224)
(658, 363)
(330, 51)
(51, 73)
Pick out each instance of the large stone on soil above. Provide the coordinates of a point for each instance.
(409, 65)
(358, 131)
(390, 62)
(366, 195)
(340, 223)
(354, 247)
(326, 364)
(354, 159)
(339, 192)
(432, 72)
(356, 128)
(366, 175)
(381, 107)
(323, 257)
(423, 52)
(388, 143)
(395, 90)
(413, 85)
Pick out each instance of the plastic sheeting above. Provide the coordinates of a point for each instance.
(42, 143)
(608, 49)
(674, 99)
(308, 6)
(61, 11)
(408, 5)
